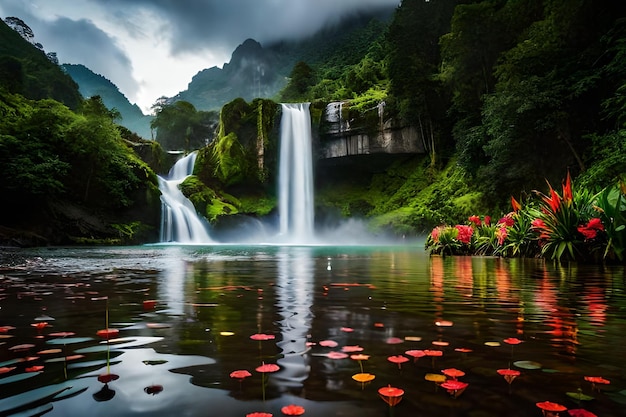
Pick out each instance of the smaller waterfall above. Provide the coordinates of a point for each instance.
(179, 221)
(295, 194)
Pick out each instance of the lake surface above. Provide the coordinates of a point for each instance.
(185, 315)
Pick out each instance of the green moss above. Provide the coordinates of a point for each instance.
(257, 205)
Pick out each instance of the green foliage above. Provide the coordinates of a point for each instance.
(612, 206)
(180, 126)
(27, 71)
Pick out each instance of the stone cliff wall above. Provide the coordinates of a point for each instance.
(343, 134)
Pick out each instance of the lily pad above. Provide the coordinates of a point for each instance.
(35, 412)
(18, 377)
(527, 364)
(68, 340)
(579, 396)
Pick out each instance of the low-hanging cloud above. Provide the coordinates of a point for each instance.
(195, 25)
(82, 41)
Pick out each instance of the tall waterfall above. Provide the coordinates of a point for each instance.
(295, 193)
(179, 220)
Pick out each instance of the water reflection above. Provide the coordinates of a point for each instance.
(294, 298)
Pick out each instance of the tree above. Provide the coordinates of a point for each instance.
(180, 126)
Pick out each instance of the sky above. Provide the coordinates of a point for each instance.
(152, 48)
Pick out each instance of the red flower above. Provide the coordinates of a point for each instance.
(554, 201)
(590, 230)
(292, 410)
(465, 233)
(487, 220)
(475, 220)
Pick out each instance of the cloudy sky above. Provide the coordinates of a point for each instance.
(152, 48)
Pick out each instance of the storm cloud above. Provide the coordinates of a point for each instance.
(150, 48)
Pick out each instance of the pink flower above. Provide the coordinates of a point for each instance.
(465, 233)
(435, 234)
(507, 220)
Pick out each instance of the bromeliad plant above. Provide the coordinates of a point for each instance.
(573, 225)
(557, 221)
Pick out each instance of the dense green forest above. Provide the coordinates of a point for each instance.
(506, 95)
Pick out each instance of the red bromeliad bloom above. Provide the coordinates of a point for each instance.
(554, 201)
(475, 220)
(591, 229)
(487, 220)
(465, 233)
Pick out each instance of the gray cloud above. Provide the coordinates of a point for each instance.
(195, 25)
(80, 41)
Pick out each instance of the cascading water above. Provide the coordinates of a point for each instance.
(179, 221)
(295, 184)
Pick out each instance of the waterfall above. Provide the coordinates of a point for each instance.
(179, 221)
(295, 183)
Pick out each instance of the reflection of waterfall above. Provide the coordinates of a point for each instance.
(179, 220)
(294, 298)
(295, 192)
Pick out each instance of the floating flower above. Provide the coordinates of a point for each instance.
(363, 378)
(444, 323)
(440, 343)
(350, 349)
(108, 377)
(550, 409)
(336, 355)
(35, 368)
(267, 367)
(508, 374)
(240, 374)
(153, 389)
(597, 380)
(360, 358)
(328, 343)
(394, 341)
(292, 410)
(391, 395)
(6, 369)
(415, 353)
(398, 359)
(512, 341)
(455, 387)
(262, 336)
(463, 350)
(436, 378)
(453, 373)
(107, 334)
(259, 414)
(347, 329)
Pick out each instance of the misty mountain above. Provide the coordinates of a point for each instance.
(257, 71)
(91, 84)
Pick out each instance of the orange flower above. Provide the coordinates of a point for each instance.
(515, 204)
(567, 190)
(292, 410)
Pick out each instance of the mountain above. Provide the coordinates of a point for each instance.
(257, 71)
(26, 69)
(92, 84)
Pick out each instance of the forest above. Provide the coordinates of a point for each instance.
(509, 97)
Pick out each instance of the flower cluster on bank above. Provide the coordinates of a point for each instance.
(576, 225)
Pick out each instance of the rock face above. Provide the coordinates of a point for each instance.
(344, 134)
